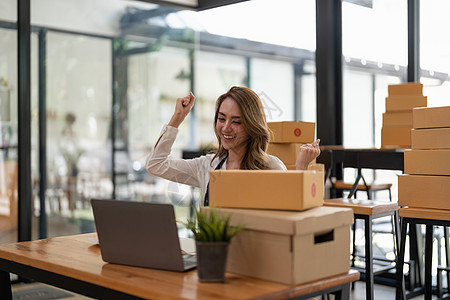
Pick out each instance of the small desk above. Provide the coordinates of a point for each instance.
(74, 263)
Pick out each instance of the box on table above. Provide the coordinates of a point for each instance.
(424, 191)
(291, 132)
(427, 162)
(396, 136)
(395, 119)
(405, 102)
(287, 152)
(431, 117)
(266, 189)
(405, 88)
(290, 247)
(433, 138)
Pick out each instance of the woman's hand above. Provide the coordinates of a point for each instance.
(307, 153)
(182, 109)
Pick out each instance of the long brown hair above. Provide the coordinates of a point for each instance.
(254, 121)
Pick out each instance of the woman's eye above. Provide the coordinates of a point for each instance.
(236, 122)
(221, 119)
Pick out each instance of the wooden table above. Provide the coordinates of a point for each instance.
(74, 263)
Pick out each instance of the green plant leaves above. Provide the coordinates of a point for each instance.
(211, 227)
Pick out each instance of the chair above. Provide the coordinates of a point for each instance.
(367, 211)
(360, 160)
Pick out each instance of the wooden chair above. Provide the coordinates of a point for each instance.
(368, 210)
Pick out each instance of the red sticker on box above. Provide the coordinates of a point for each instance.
(313, 190)
(297, 132)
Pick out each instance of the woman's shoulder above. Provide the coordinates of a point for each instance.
(275, 163)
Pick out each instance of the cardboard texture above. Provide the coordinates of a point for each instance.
(427, 162)
(291, 132)
(287, 153)
(405, 102)
(435, 138)
(396, 136)
(290, 247)
(423, 191)
(431, 117)
(398, 119)
(266, 189)
(409, 88)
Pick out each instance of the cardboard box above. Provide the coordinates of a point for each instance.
(396, 136)
(431, 117)
(408, 88)
(267, 189)
(427, 162)
(291, 132)
(424, 191)
(405, 102)
(290, 247)
(436, 138)
(398, 119)
(287, 153)
(311, 166)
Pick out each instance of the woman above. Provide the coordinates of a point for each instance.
(241, 130)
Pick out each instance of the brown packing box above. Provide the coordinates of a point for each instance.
(405, 102)
(431, 117)
(266, 189)
(436, 138)
(405, 89)
(291, 132)
(427, 162)
(424, 191)
(311, 166)
(396, 136)
(287, 153)
(395, 119)
(290, 247)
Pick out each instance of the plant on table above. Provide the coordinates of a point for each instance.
(212, 233)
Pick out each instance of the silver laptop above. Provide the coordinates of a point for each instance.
(140, 234)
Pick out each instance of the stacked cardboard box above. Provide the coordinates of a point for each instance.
(290, 247)
(286, 138)
(427, 165)
(289, 236)
(397, 120)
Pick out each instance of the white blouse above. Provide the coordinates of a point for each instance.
(195, 171)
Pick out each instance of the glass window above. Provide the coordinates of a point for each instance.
(8, 132)
(374, 42)
(434, 51)
(273, 81)
(215, 74)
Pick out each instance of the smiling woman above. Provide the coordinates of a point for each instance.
(243, 136)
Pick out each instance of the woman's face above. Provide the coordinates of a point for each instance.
(229, 126)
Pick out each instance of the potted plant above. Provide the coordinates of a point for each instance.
(212, 234)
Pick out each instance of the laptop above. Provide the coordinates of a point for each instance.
(140, 234)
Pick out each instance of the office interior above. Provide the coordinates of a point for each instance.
(86, 87)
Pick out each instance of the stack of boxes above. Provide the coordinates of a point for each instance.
(286, 138)
(289, 236)
(397, 120)
(427, 164)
